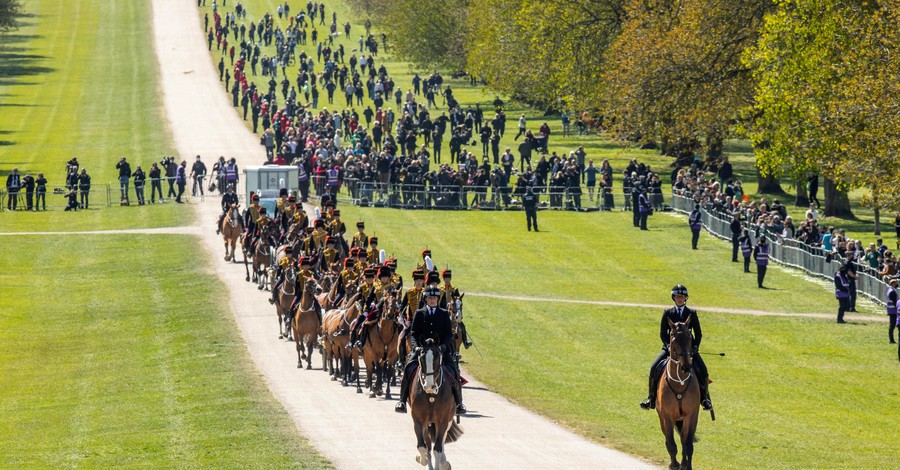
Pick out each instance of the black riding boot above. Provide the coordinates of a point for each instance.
(363, 335)
(405, 380)
(465, 337)
(650, 402)
(318, 309)
(457, 394)
(703, 380)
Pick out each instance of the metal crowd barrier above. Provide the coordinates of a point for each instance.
(788, 252)
(100, 194)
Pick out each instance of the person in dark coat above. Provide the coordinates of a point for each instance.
(529, 203)
(28, 185)
(679, 314)
(695, 221)
(431, 322)
(735, 236)
(842, 292)
(761, 255)
(13, 185)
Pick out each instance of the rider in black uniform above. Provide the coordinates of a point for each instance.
(679, 314)
(431, 322)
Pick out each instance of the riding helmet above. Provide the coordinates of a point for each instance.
(432, 291)
(679, 290)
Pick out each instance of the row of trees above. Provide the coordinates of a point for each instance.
(811, 83)
(9, 11)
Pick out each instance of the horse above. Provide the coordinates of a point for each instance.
(336, 332)
(306, 324)
(678, 396)
(455, 307)
(262, 261)
(329, 291)
(433, 408)
(284, 298)
(380, 351)
(231, 229)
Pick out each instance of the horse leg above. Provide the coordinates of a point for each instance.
(309, 348)
(358, 388)
(278, 317)
(440, 459)
(369, 372)
(388, 377)
(666, 425)
(423, 458)
(688, 431)
(299, 342)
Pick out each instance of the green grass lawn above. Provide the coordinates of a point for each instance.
(116, 351)
(785, 391)
(79, 79)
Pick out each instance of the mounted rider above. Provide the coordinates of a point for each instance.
(251, 215)
(409, 303)
(360, 239)
(329, 256)
(228, 199)
(370, 310)
(679, 314)
(450, 294)
(347, 278)
(431, 322)
(319, 234)
(306, 273)
(372, 252)
(287, 261)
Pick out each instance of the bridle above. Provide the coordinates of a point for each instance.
(684, 359)
(290, 277)
(437, 373)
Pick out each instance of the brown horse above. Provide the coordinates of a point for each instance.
(284, 298)
(380, 351)
(336, 332)
(433, 408)
(262, 261)
(678, 396)
(306, 324)
(455, 307)
(231, 229)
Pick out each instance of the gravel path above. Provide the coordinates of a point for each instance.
(498, 433)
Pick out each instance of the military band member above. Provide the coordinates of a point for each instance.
(283, 265)
(360, 239)
(423, 265)
(329, 261)
(450, 294)
(347, 278)
(372, 251)
(319, 235)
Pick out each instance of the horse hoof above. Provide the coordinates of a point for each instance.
(421, 460)
(308, 366)
(280, 336)
(300, 366)
(387, 396)
(371, 394)
(358, 390)
(379, 392)
(334, 379)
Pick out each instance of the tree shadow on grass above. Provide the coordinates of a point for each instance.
(16, 63)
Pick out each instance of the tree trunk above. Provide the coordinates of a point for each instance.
(768, 184)
(837, 204)
(802, 195)
(877, 210)
(714, 145)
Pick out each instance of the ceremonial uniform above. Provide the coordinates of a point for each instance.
(286, 262)
(360, 239)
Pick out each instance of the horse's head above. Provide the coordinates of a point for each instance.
(389, 307)
(681, 344)
(430, 360)
(456, 306)
(312, 287)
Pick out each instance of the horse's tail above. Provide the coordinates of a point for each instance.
(454, 433)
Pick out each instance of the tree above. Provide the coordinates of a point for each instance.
(826, 97)
(9, 11)
(675, 72)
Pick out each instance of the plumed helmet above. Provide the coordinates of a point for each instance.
(679, 290)
(432, 291)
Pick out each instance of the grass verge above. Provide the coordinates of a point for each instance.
(115, 351)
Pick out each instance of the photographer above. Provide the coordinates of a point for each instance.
(124, 175)
(84, 187)
(171, 168)
(155, 183)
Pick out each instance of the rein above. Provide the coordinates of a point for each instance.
(438, 374)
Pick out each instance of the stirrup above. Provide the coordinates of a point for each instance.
(706, 404)
(647, 404)
(461, 409)
(401, 407)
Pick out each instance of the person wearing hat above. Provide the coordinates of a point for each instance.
(529, 203)
(337, 226)
(891, 305)
(746, 242)
(306, 272)
(228, 199)
(396, 277)
(329, 261)
(680, 313)
(361, 261)
(644, 208)
(761, 255)
(431, 322)
(319, 234)
(367, 295)
(251, 215)
(372, 251)
(432, 278)
(411, 300)
(842, 292)
(360, 239)
(423, 266)
(449, 293)
(385, 283)
(299, 216)
(348, 277)
(695, 221)
(283, 265)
